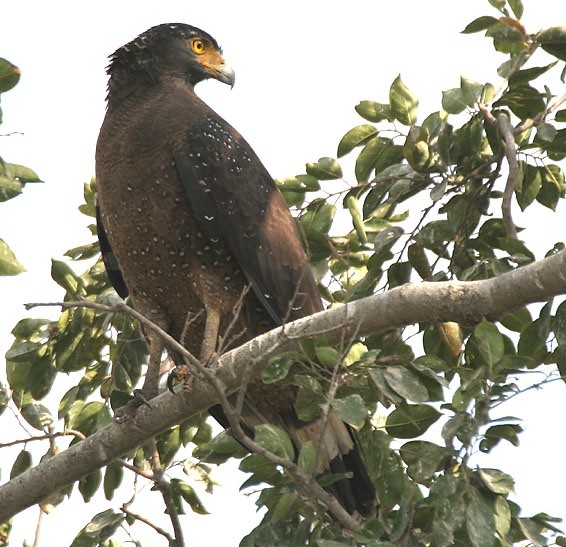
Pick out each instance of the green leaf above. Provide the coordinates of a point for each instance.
(369, 156)
(354, 209)
(274, 439)
(23, 174)
(355, 137)
(517, 7)
(406, 383)
(64, 276)
(325, 169)
(89, 485)
(112, 479)
(103, 525)
(351, 409)
(524, 101)
(502, 516)
(497, 481)
(189, 495)
(496, 433)
(374, 112)
(307, 457)
(489, 342)
(37, 415)
(168, 445)
(453, 101)
(516, 320)
(471, 91)
(415, 149)
(560, 116)
(327, 356)
(528, 74)
(22, 463)
(479, 24)
(277, 369)
(480, 521)
(559, 325)
(553, 41)
(530, 185)
(507, 38)
(9, 75)
(219, 449)
(423, 459)
(285, 506)
(409, 421)
(9, 265)
(403, 102)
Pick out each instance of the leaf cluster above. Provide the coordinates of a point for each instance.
(424, 203)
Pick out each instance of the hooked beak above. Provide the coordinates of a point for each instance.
(224, 73)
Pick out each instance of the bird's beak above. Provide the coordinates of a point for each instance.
(224, 73)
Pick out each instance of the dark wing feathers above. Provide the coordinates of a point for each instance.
(110, 263)
(236, 202)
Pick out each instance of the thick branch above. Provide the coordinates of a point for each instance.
(463, 302)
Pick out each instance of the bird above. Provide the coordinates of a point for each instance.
(192, 227)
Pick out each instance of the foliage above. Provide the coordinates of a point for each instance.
(426, 204)
(13, 177)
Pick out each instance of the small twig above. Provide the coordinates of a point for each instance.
(166, 493)
(158, 529)
(539, 118)
(47, 436)
(38, 527)
(136, 470)
(510, 149)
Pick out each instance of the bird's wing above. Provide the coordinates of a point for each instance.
(110, 262)
(236, 202)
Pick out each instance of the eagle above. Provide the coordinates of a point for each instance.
(194, 230)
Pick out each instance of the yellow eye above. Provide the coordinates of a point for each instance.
(198, 46)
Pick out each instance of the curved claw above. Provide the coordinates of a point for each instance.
(139, 397)
(170, 385)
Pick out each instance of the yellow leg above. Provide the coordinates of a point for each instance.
(210, 338)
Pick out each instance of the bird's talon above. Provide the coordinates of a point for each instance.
(140, 398)
(179, 373)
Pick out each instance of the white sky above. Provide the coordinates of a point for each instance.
(301, 67)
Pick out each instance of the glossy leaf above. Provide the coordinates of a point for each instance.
(406, 384)
(325, 169)
(480, 521)
(351, 409)
(553, 41)
(9, 75)
(277, 369)
(479, 24)
(496, 481)
(409, 421)
(189, 495)
(21, 464)
(355, 137)
(9, 264)
(274, 439)
(403, 102)
(374, 112)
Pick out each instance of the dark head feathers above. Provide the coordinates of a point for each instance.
(140, 60)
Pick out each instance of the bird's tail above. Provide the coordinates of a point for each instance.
(339, 454)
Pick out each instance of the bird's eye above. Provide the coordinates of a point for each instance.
(198, 46)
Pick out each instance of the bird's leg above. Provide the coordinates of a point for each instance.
(150, 386)
(208, 347)
(210, 338)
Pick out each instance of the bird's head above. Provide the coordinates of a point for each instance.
(175, 49)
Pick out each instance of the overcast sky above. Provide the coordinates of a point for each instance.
(301, 68)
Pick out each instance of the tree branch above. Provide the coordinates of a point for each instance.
(463, 302)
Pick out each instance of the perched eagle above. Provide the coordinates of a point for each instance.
(188, 218)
